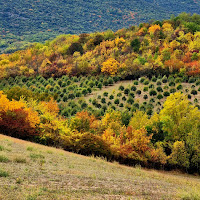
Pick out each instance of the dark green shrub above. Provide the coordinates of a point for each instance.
(105, 82)
(178, 80)
(179, 87)
(172, 90)
(138, 92)
(166, 93)
(151, 86)
(150, 106)
(119, 94)
(76, 46)
(159, 89)
(130, 100)
(158, 83)
(146, 82)
(100, 86)
(135, 82)
(133, 88)
(116, 101)
(98, 105)
(131, 94)
(135, 44)
(65, 98)
(126, 91)
(164, 79)
(196, 100)
(145, 89)
(94, 102)
(121, 87)
(103, 100)
(3, 173)
(191, 80)
(71, 96)
(104, 108)
(116, 78)
(68, 82)
(149, 112)
(142, 108)
(160, 96)
(166, 87)
(111, 97)
(105, 94)
(154, 79)
(121, 105)
(152, 93)
(84, 92)
(197, 83)
(113, 107)
(136, 105)
(189, 96)
(145, 96)
(142, 79)
(89, 90)
(91, 84)
(152, 100)
(110, 81)
(124, 98)
(171, 84)
(194, 92)
(64, 85)
(109, 103)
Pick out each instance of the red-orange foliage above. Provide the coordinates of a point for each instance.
(174, 64)
(82, 122)
(193, 68)
(16, 118)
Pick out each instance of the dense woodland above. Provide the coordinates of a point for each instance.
(46, 86)
(30, 21)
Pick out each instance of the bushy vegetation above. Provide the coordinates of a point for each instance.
(159, 140)
(165, 47)
(71, 92)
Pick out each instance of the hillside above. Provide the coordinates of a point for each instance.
(31, 171)
(37, 21)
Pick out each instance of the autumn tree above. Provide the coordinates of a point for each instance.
(110, 66)
(179, 117)
(17, 119)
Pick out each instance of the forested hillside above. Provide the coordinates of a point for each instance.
(23, 22)
(73, 92)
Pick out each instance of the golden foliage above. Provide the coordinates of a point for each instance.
(110, 66)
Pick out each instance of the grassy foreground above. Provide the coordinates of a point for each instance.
(32, 171)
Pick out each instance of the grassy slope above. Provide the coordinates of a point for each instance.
(40, 172)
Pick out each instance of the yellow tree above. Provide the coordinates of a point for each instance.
(154, 29)
(139, 120)
(110, 66)
(179, 117)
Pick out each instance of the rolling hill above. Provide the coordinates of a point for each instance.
(36, 21)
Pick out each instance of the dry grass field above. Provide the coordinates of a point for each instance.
(31, 171)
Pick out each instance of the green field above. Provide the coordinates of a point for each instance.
(31, 171)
